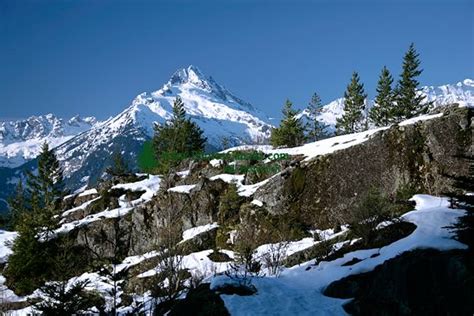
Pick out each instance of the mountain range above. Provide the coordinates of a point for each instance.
(84, 145)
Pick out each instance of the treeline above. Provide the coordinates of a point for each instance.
(393, 104)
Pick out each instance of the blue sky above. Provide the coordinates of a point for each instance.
(93, 57)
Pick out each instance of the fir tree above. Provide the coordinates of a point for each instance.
(316, 129)
(46, 187)
(119, 166)
(30, 263)
(178, 136)
(290, 133)
(60, 297)
(382, 112)
(354, 108)
(17, 205)
(409, 101)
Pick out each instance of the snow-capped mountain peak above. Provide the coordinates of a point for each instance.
(191, 75)
(219, 113)
(461, 92)
(21, 140)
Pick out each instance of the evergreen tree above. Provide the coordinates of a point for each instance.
(409, 101)
(31, 261)
(179, 136)
(354, 107)
(17, 205)
(317, 129)
(61, 298)
(45, 189)
(383, 110)
(119, 166)
(290, 133)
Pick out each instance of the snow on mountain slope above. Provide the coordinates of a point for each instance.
(21, 140)
(461, 92)
(299, 289)
(217, 111)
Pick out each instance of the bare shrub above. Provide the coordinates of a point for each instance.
(274, 257)
(170, 276)
(245, 266)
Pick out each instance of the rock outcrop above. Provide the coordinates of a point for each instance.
(400, 161)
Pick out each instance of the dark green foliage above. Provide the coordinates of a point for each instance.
(32, 261)
(354, 107)
(73, 300)
(409, 102)
(29, 265)
(373, 209)
(146, 158)
(229, 206)
(316, 129)
(290, 133)
(17, 205)
(382, 112)
(119, 167)
(45, 190)
(179, 136)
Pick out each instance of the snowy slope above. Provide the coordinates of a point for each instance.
(298, 291)
(217, 111)
(461, 92)
(21, 140)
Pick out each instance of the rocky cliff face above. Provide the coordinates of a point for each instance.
(401, 160)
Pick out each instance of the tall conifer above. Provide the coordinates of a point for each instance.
(383, 110)
(354, 108)
(290, 133)
(409, 100)
(316, 129)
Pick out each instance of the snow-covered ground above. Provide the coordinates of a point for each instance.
(186, 188)
(193, 232)
(198, 263)
(298, 291)
(150, 185)
(6, 240)
(329, 145)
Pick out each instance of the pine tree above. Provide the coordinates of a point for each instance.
(31, 261)
(409, 101)
(61, 297)
(290, 133)
(317, 129)
(119, 166)
(382, 112)
(45, 189)
(354, 107)
(178, 136)
(17, 205)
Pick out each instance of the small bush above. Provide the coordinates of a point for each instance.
(365, 216)
(229, 206)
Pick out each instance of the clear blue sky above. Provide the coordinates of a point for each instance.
(93, 57)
